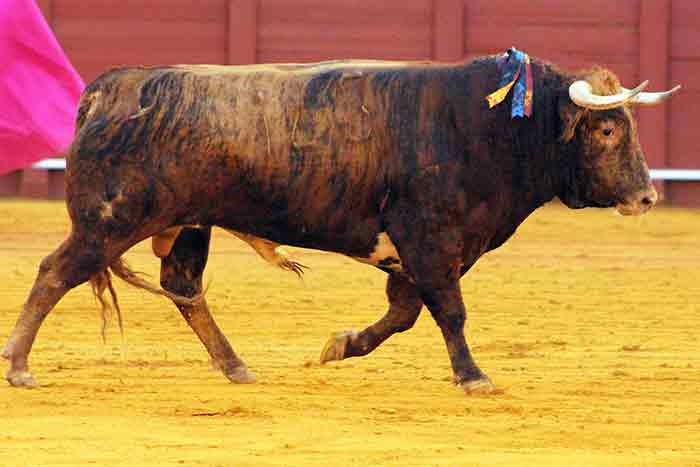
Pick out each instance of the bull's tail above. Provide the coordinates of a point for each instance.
(103, 281)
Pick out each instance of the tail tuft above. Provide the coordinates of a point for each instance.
(99, 283)
(103, 281)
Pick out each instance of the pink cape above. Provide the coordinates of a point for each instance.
(39, 89)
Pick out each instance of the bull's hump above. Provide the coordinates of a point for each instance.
(384, 255)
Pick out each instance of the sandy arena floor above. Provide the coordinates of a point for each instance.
(588, 321)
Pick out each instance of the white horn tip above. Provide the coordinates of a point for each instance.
(653, 98)
(640, 88)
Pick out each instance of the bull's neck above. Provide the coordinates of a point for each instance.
(547, 173)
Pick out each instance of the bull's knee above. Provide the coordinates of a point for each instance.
(404, 304)
(178, 282)
(446, 308)
(47, 263)
(406, 324)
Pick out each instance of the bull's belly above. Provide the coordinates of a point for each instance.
(383, 254)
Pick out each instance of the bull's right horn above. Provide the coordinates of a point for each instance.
(652, 98)
(581, 92)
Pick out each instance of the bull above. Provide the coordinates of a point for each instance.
(400, 165)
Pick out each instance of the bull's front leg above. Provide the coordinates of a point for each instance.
(404, 307)
(447, 307)
(432, 252)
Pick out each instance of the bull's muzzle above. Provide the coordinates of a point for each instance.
(638, 203)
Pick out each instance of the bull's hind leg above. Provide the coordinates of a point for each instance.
(70, 265)
(404, 307)
(181, 272)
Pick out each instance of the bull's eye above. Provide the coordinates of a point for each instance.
(608, 131)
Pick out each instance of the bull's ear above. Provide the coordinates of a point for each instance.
(570, 115)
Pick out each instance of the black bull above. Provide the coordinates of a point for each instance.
(400, 165)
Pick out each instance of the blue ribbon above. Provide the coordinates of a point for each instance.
(512, 63)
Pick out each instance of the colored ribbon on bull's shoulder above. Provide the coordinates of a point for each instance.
(516, 75)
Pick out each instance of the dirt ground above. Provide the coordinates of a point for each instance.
(588, 322)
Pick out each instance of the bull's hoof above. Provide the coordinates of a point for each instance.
(241, 375)
(481, 386)
(336, 346)
(21, 379)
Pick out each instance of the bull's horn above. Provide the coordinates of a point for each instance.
(582, 94)
(652, 98)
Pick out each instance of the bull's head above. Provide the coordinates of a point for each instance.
(610, 169)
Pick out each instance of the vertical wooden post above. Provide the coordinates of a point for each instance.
(654, 65)
(448, 30)
(242, 32)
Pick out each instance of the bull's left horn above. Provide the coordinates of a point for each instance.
(652, 98)
(581, 92)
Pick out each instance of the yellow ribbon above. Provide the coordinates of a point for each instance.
(498, 96)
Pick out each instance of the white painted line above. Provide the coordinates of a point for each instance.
(656, 174)
(686, 175)
(50, 164)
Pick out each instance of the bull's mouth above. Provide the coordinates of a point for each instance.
(639, 203)
(632, 209)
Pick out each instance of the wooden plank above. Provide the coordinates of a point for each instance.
(684, 145)
(654, 40)
(35, 183)
(343, 13)
(546, 39)
(593, 13)
(56, 184)
(684, 194)
(448, 30)
(685, 42)
(684, 14)
(125, 11)
(685, 72)
(311, 30)
(242, 33)
(684, 149)
(46, 7)
(10, 183)
(185, 31)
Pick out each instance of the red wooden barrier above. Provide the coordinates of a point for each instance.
(657, 40)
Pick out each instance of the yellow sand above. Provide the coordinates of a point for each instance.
(590, 322)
